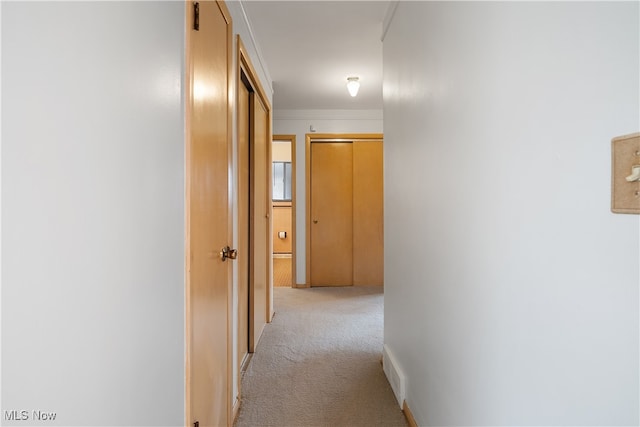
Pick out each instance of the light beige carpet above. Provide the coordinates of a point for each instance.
(318, 363)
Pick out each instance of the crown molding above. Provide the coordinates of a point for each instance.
(388, 17)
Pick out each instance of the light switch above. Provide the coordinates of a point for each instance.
(625, 174)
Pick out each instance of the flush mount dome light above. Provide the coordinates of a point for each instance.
(353, 84)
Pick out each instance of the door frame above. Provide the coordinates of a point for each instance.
(292, 140)
(189, 99)
(246, 67)
(243, 218)
(319, 138)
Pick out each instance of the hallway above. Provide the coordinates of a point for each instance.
(318, 363)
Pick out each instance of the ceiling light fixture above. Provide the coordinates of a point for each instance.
(353, 84)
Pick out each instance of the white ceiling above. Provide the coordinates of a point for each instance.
(311, 47)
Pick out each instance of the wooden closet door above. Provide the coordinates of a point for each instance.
(260, 236)
(331, 214)
(368, 214)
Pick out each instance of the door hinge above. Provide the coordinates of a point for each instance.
(196, 20)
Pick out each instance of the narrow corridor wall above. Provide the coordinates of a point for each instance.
(93, 212)
(511, 290)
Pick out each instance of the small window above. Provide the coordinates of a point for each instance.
(282, 181)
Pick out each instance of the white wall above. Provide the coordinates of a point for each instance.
(298, 123)
(511, 290)
(93, 212)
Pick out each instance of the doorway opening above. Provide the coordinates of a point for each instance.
(283, 151)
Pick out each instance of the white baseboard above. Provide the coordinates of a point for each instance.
(394, 374)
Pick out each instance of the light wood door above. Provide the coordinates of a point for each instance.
(368, 214)
(208, 217)
(331, 178)
(261, 226)
(244, 253)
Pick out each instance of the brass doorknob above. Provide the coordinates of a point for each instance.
(315, 221)
(228, 253)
